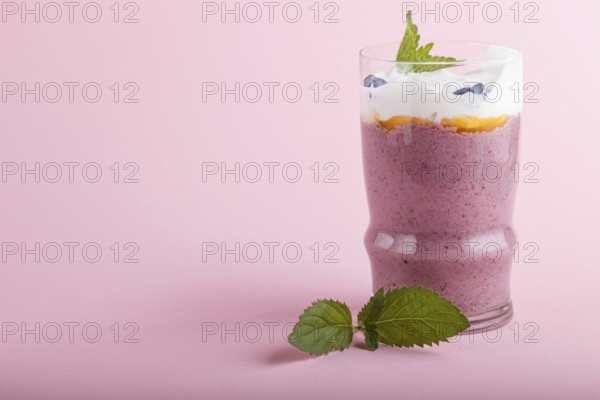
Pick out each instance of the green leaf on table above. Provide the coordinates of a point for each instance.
(323, 327)
(417, 316)
(368, 316)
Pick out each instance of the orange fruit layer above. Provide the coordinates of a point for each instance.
(399, 120)
(463, 124)
(466, 124)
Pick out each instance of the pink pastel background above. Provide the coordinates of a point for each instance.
(171, 294)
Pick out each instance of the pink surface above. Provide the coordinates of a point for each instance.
(173, 296)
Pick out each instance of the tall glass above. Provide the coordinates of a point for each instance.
(440, 147)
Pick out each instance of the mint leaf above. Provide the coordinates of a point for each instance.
(409, 50)
(433, 67)
(410, 41)
(417, 316)
(371, 338)
(368, 316)
(323, 327)
(372, 310)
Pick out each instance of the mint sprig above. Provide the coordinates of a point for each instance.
(402, 317)
(409, 50)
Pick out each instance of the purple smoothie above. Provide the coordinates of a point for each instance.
(441, 210)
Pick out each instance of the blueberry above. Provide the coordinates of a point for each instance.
(373, 81)
(478, 89)
(462, 91)
(369, 80)
(379, 82)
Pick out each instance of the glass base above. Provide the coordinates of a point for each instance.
(491, 319)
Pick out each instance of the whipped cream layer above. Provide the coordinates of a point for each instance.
(430, 95)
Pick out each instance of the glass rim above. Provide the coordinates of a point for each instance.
(514, 53)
